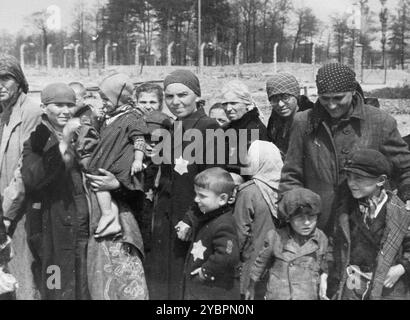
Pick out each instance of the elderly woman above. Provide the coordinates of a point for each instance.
(284, 96)
(19, 117)
(322, 139)
(176, 187)
(243, 114)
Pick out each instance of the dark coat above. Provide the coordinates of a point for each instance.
(165, 262)
(316, 156)
(64, 224)
(236, 153)
(394, 249)
(279, 127)
(215, 250)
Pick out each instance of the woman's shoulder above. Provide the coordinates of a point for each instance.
(29, 107)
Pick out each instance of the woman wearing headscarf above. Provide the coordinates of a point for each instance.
(284, 96)
(243, 114)
(255, 207)
(176, 186)
(19, 117)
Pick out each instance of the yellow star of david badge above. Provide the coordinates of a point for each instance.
(198, 250)
(181, 165)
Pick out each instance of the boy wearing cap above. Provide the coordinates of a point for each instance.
(372, 238)
(296, 252)
(59, 196)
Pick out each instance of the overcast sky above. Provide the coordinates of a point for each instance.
(13, 12)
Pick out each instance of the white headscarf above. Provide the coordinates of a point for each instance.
(265, 165)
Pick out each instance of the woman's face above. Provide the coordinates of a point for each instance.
(59, 113)
(284, 104)
(180, 100)
(337, 104)
(8, 88)
(219, 115)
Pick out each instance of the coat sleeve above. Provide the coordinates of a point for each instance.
(244, 216)
(31, 119)
(404, 260)
(225, 252)
(397, 151)
(264, 257)
(40, 168)
(292, 173)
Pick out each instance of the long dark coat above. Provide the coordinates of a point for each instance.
(316, 156)
(165, 263)
(63, 229)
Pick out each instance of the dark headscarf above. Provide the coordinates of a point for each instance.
(334, 78)
(9, 65)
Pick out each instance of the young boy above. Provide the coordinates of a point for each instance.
(214, 253)
(372, 243)
(296, 252)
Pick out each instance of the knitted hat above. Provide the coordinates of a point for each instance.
(298, 198)
(58, 93)
(9, 65)
(368, 163)
(116, 87)
(282, 83)
(335, 78)
(185, 77)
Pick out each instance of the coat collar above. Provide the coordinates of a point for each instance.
(291, 244)
(243, 122)
(204, 218)
(319, 114)
(191, 120)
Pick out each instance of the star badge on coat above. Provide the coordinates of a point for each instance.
(181, 165)
(198, 250)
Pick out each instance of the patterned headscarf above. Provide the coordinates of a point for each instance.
(9, 65)
(282, 83)
(334, 78)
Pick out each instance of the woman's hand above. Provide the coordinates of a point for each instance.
(104, 182)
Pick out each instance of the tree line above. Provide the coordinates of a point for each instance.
(257, 24)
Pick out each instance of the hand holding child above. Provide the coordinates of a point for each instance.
(137, 166)
(183, 231)
(393, 275)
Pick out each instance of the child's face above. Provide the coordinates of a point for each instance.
(303, 224)
(219, 115)
(362, 187)
(149, 101)
(208, 200)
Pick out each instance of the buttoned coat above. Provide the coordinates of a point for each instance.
(295, 269)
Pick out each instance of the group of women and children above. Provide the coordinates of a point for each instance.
(314, 206)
